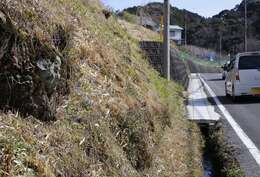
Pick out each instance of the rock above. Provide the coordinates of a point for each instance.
(2, 18)
(49, 72)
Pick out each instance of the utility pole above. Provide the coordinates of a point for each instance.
(220, 44)
(220, 47)
(166, 40)
(137, 11)
(245, 25)
(141, 13)
(185, 29)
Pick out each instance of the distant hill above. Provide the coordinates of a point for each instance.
(155, 11)
(207, 32)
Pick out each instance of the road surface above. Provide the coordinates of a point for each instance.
(246, 112)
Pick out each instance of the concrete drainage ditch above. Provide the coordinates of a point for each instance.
(210, 170)
(218, 156)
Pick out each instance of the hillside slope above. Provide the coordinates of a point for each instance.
(78, 98)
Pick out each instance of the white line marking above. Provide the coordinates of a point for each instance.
(241, 134)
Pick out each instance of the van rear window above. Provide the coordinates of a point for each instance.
(249, 62)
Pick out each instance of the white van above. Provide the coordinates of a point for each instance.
(243, 77)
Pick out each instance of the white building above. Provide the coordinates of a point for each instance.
(176, 34)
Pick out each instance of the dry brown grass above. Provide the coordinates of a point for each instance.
(120, 118)
(140, 33)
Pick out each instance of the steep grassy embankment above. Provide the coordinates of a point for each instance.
(78, 98)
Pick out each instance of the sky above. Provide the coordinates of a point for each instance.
(206, 8)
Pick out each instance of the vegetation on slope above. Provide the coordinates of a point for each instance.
(116, 117)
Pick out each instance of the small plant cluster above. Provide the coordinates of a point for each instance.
(224, 154)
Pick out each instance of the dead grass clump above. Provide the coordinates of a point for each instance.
(138, 32)
(61, 37)
(132, 133)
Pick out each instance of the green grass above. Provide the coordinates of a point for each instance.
(234, 172)
(205, 62)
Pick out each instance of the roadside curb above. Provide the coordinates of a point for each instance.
(200, 110)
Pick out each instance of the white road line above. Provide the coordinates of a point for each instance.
(241, 134)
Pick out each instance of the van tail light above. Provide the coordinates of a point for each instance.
(237, 76)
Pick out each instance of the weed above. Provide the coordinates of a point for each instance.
(234, 172)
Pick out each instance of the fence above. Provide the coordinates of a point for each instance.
(154, 53)
(180, 69)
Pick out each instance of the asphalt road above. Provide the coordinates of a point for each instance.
(246, 112)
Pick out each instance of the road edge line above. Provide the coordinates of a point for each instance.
(251, 147)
